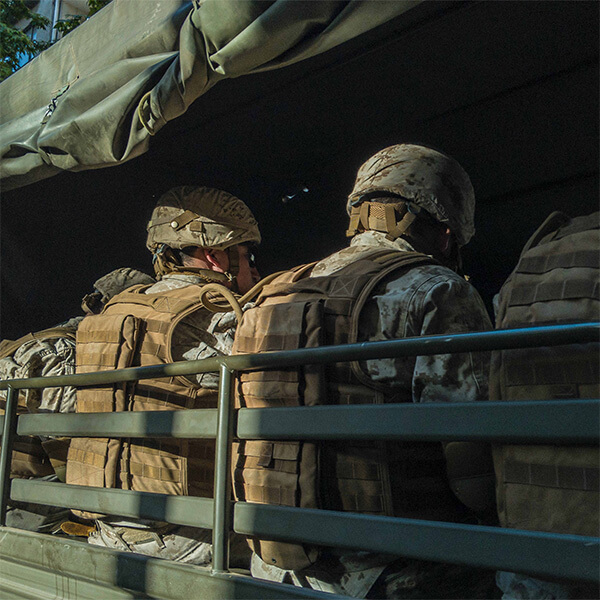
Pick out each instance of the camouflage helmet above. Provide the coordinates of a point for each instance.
(434, 181)
(200, 216)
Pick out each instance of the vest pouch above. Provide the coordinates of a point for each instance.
(28, 457)
(104, 343)
(560, 482)
(292, 312)
(282, 473)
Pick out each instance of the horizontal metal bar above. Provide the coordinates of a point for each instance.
(61, 567)
(179, 510)
(541, 554)
(549, 421)
(197, 423)
(552, 421)
(418, 346)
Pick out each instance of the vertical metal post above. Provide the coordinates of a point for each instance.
(8, 434)
(222, 500)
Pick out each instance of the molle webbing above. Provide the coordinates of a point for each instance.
(566, 260)
(556, 281)
(394, 219)
(552, 476)
(136, 329)
(295, 311)
(28, 457)
(524, 294)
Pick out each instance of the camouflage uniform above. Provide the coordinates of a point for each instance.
(407, 192)
(183, 217)
(181, 543)
(45, 358)
(42, 358)
(51, 357)
(426, 300)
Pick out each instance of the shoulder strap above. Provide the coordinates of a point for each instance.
(170, 301)
(555, 221)
(402, 260)
(134, 294)
(579, 225)
(392, 262)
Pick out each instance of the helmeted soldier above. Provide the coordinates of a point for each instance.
(47, 353)
(199, 237)
(410, 211)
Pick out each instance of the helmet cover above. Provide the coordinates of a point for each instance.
(433, 181)
(200, 216)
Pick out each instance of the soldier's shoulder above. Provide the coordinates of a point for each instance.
(429, 276)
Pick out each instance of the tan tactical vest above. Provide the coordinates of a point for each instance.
(138, 329)
(550, 488)
(31, 457)
(378, 478)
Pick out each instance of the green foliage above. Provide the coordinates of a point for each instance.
(96, 5)
(67, 25)
(14, 43)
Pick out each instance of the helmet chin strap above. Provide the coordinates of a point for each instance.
(234, 266)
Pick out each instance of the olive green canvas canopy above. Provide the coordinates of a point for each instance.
(96, 97)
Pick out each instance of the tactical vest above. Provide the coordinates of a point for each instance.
(378, 478)
(139, 329)
(550, 488)
(31, 457)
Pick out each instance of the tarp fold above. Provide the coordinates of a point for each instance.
(95, 98)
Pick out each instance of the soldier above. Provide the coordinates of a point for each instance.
(199, 237)
(411, 210)
(47, 353)
(551, 488)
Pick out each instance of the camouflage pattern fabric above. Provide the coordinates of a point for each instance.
(118, 280)
(180, 543)
(432, 180)
(201, 216)
(426, 300)
(516, 586)
(44, 359)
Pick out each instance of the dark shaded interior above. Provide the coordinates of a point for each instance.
(510, 89)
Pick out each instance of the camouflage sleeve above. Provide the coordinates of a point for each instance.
(428, 301)
(44, 359)
(449, 307)
(219, 342)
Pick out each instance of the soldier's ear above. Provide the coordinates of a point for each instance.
(217, 259)
(445, 240)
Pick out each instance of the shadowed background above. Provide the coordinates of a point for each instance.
(510, 89)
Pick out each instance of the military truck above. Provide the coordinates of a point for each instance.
(279, 103)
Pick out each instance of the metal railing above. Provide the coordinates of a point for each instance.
(557, 421)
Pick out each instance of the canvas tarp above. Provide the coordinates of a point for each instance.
(96, 97)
